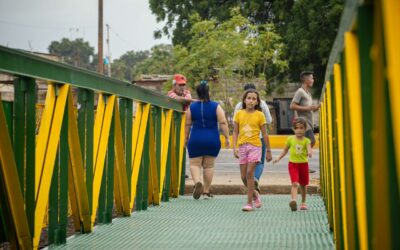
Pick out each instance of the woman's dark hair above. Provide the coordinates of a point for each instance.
(258, 106)
(203, 92)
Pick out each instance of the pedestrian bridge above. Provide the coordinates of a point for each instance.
(85, 155)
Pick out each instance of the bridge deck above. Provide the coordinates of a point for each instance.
(218, 223)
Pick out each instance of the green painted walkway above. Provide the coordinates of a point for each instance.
(218, 223)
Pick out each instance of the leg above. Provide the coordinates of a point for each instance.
(195, 165)
(304, 181)
(195, 168)
(293, 191)
(208, 172)
(303, 191)
(294, 177)
(250, 181)
(243, 170)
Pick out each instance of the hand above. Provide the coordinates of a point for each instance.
(309, 155)
(227, 143)
(268, 156)
(236, 152)
(275, 161)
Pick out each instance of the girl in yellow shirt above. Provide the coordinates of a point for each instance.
(248, 122)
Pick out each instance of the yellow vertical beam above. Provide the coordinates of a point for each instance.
(330, 170)
(181, 149)
(138, 151)
(121, 176)
(165, 147)
(174, 160)
(102, 132)
(46, 170)
(135, 130)
(44, 130)
(339, 122)
(391, 10)
(78, 194)
(11, 182)
(354, 90)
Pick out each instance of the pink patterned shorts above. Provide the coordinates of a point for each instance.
(249, 153)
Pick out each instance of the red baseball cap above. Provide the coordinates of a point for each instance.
(179, 79)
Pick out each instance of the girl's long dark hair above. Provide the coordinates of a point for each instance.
(258, 106)
(203, 92)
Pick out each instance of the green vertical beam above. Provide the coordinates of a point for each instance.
(86, 126)
(63, 193)
(365, 34)
(126, 113)
(58, 198)
(110, 174)
(30, 137)
(167, 184)
(20, 87)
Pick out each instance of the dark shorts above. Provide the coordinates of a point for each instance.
(310, 135)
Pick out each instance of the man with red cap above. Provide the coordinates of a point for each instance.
(179, 91)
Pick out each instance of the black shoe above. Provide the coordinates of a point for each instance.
(186, 176)
(198, 190)
(311, 171)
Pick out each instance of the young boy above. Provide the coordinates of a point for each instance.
(299, 147)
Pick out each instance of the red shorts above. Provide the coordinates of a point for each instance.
(299, 173)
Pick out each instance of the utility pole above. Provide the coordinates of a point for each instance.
(108, 51)
(100, 67)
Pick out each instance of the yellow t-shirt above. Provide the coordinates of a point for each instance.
(249, 126)
(297, 149)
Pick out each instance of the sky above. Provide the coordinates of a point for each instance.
(33, 24)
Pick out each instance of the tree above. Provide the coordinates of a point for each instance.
(160, 61)
(307, 27)
(123, 68)
(77, 52)
(227, 54)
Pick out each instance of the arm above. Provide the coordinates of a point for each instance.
(223, 124)
(268, 155)
(284, 152)
(309, 150)
(234, 139)
(188, 124)
(265, 110)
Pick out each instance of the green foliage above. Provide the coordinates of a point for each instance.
(77, 52)
(123, 68)
(308, 29)
(227, 54)
(160, 61)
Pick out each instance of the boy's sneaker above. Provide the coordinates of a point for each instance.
(303, 206)
(293, 205)
(257, 200)
(207, 196)
(198, 190)
(248, 208)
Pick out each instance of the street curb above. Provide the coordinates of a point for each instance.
(265, 189)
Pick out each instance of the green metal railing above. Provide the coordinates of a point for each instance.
(360, 114)
(89, 154)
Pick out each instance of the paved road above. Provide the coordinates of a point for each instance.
(227, 170)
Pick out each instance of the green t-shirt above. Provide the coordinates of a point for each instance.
(297, 149)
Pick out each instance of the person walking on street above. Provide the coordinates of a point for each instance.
(203, 140)
(299, 147)
(303, 107)
(264, 108)
(248, 122)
